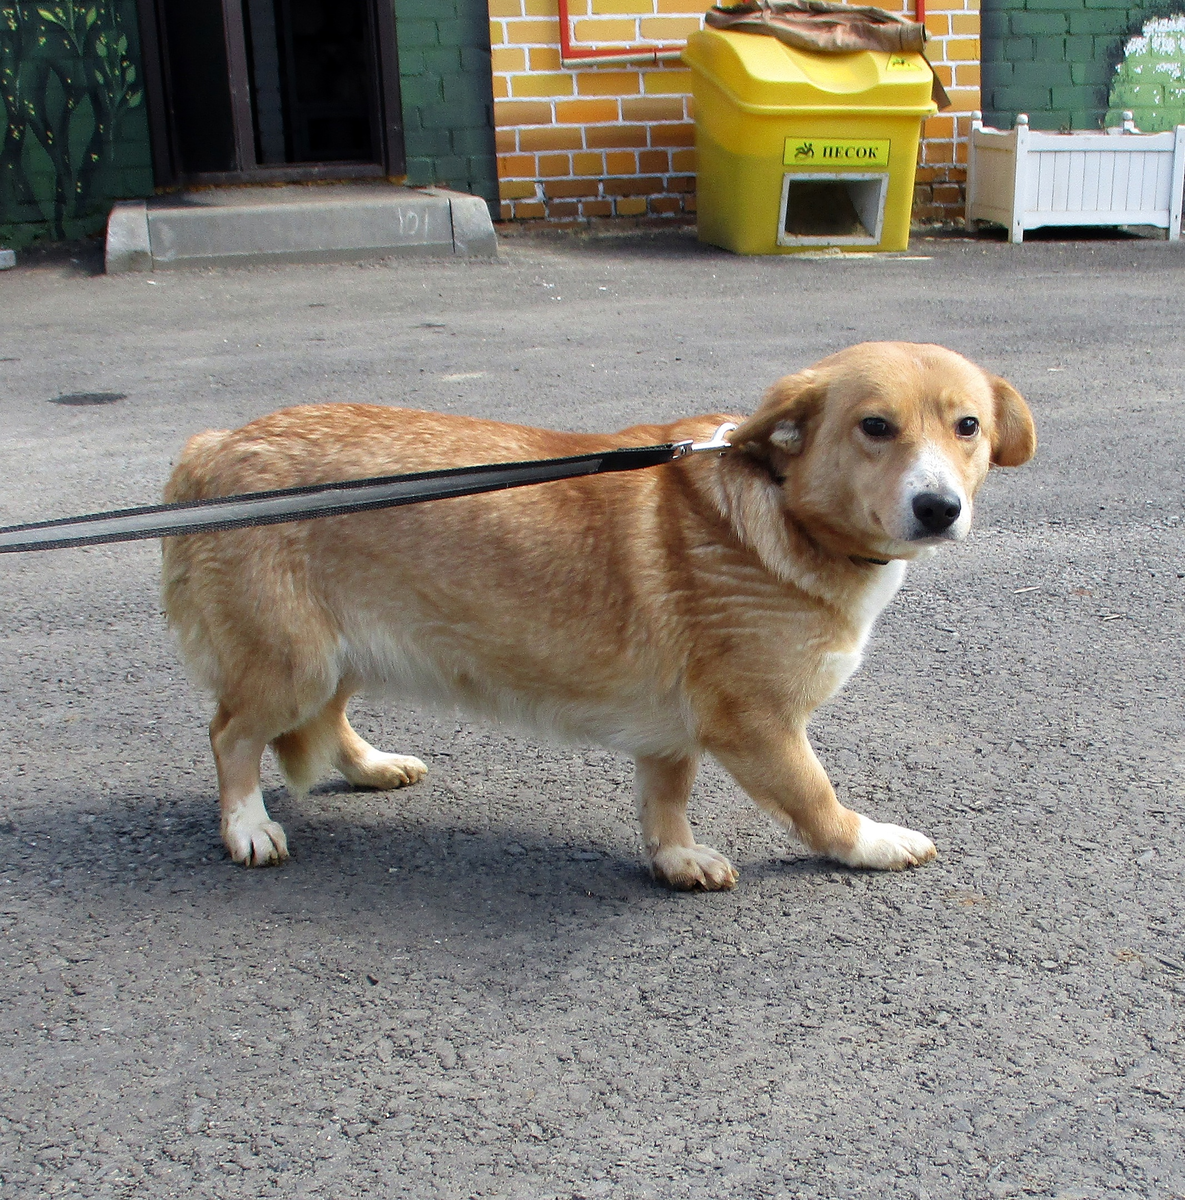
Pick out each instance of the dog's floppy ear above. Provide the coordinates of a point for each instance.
(778, 431)
(1014, 436)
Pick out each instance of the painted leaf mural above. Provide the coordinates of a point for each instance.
(67, 78)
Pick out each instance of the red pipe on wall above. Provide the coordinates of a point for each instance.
(638, 52)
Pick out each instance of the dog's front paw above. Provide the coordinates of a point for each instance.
(689, 867)
(252, 837)
(887, 848)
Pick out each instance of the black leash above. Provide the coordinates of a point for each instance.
(333, 499)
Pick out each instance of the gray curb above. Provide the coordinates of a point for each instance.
(335, 223)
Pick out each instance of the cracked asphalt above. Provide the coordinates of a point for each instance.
(470, 988)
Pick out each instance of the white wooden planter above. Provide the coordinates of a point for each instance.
(1023, 179)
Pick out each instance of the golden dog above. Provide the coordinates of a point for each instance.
(706, 606)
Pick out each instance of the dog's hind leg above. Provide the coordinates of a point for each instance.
(663, 789)
(251, 836)
(329, 739)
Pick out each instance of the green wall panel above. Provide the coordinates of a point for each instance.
(447, 86)
(1056, 59)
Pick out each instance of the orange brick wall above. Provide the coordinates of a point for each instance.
(618, 139)
(953, 51)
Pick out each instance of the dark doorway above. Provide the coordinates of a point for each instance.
(313, 81)
(195, 67)
(275, 89)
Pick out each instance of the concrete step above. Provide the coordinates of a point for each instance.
(294, 223)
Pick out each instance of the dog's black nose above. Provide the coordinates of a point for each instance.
(936, 511)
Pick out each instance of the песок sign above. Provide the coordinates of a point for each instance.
(836, 152)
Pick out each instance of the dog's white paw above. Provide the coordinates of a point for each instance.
(252, 837)
(688, 867)
(384, 771)
(887, 848)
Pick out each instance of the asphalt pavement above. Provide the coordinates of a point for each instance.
(470, 988)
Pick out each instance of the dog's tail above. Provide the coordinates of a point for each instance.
(307, 753)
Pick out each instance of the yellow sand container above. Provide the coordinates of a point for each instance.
(799, 151)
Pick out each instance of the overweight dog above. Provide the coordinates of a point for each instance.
(708, 606)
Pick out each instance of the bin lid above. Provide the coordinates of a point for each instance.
(761, 74)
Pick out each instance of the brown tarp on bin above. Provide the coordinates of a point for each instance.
(823, 27)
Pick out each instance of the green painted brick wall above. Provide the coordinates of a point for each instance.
(447, 86)
(73, 128)
(1056, 59)
(52, 185)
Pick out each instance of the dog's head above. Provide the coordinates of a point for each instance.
(880, 449)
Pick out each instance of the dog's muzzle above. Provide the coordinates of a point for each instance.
(936, 512)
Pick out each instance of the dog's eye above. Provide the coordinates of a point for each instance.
(968, 427)
(876, 427)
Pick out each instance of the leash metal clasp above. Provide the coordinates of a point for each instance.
(718, 441)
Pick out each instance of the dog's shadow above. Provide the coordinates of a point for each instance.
(354, 852)
(514, 872)
(405, 873)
